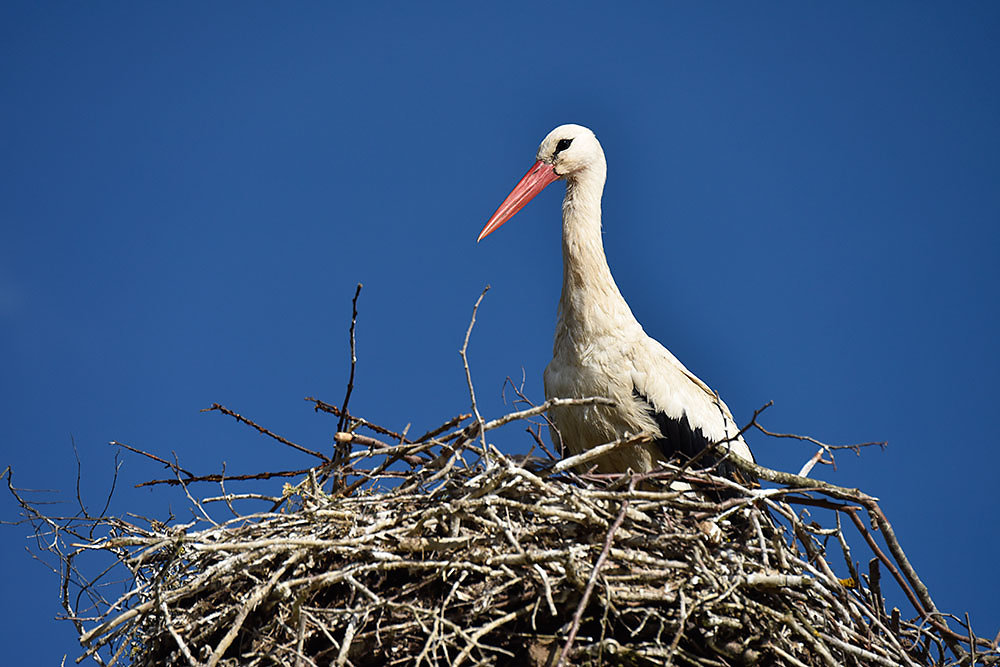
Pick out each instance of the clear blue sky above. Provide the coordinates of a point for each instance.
(802, 204)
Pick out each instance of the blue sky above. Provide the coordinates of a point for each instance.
(802, 204)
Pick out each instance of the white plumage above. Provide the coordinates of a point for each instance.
(600, 348)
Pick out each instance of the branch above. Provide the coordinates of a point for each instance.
(342, 424)
(166, 463)
(355, 420)
(582, 606)
(224, 478)
(468, 373)
(240, 418)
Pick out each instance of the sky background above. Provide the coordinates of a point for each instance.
(802, 204)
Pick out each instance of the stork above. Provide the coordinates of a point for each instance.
(600, 348)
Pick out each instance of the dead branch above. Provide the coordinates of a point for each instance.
(240, 418)
(342, 424)
(468, 373)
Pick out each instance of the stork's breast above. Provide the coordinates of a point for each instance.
(582, 427)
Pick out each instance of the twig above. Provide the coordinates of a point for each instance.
(541, 443)
(450, 424)
(240, 418)
(356, 421)
(582, 606)
(918, 586)
(194, 502)
(540, 409)
(220, 477)
(829, 449)
(156, 458)
(813, 460)
(168, 622)
(342, 424)
(597, 452)
(258, 596)
(468, 375)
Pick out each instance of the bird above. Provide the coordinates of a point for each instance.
(600, 349)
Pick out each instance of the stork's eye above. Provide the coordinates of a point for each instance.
(562, 145)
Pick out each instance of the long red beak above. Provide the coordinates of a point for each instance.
(539, 176)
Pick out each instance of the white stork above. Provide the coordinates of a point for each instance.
(600, 349)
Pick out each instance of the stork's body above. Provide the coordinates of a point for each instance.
(600, 348)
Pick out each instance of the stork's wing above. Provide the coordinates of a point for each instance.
(688, 415)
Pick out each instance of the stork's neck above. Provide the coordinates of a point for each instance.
(590, 303)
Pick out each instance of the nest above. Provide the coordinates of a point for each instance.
(437, 551)
(441, 550)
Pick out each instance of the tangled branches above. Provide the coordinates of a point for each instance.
(448, 561)
(441, 550)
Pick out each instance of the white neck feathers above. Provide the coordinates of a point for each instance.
(590, 303)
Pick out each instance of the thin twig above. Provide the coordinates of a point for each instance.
(218, 477)
(240, 418)
(468, 375)
(355, 421)
(156, 458)
(582, 606)
(342, 424)
(447, 426)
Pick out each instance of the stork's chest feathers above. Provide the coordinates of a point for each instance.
(581, 426)
(594, 370)
(589, 366)
(564, 378)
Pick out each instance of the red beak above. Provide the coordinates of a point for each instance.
(539, 176)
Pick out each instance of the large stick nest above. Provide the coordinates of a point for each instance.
(462, 558)
(440, 550)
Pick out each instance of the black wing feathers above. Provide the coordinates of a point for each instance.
(681, 439)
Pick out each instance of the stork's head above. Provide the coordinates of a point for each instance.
(570, 149)
(567, 152)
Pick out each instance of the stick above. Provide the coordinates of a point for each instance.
(468, 375)
(578, 616)
(342, 424)
(240, 418)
